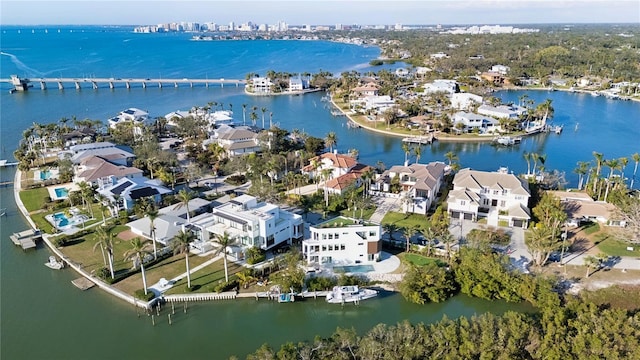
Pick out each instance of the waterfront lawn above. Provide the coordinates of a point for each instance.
(42, 223)
(82, 251)
(406, 220)
(168, 269)
(205, 279)
(34, 199)
(613, 247)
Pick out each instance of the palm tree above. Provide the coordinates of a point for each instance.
(417, 151)
(408, 232)
(390, 229)
(590, 261)
(185, 196)
(326, 174)
(152, 214)
(527, 158)
(451, 157)
(447, 238)
(180, 245)
(581, 170)
(254, 117)
(105, 242)
(407, 150)
(139, 248)
(613, 165)
(270, 120)
(599, 162)
(624, 161)
(224, 241)
(264, 110)
(429, 235)
(331, 140)
(636, 158)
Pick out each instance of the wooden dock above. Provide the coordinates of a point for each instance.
(229, 295)
(26, 239)
(83, 283)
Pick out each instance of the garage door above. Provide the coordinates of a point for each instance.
(518, 223)
(455, 215)
(468, 216)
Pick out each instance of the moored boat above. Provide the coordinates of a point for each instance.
(352, 293)
(54, 263)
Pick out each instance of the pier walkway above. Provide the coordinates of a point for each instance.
(23, 84)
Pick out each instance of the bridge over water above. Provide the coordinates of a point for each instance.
(23, 84)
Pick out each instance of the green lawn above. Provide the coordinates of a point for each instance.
(207, 278)
(419, 260)
(615, 247)
(591, 228)
(406, 220)
(34, 199)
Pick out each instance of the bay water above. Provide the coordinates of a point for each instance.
(44, 316)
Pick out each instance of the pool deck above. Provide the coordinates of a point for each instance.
(52, 190)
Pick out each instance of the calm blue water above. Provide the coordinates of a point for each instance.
(61, 193)
(354, 268)
(44, 175)
(37, 301)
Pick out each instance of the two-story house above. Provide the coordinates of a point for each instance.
(420, 183)
(261, 85)
(473, 122)
(500, 197)
(238, 141)
(343, 241)
(250, 223)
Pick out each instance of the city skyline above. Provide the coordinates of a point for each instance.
(313, 12)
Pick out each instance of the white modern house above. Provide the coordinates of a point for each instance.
(132, 115)
(249, 223)
(465, 101)
(442, 85)
(126, 191)
(343, 241)
(298, 84)
(500, 197)
(261, 85)
(473, 122)
(502, 69)
(502, 111)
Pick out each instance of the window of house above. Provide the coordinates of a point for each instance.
(324, 247)
(462, 202)
(330, 236)
(330, 247)
(342, 247)
(336, 236)
(503, 203)
(504, 192)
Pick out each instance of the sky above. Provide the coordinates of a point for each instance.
(318, 12)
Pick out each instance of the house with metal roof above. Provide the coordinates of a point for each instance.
(500, 197)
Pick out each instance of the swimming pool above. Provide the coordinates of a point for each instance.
(353, 268)
(60, 219)
(45, 175)
(61, 193)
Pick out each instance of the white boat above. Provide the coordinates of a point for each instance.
(286, 297)
(54, 263)
(352, 293)
(507, 140)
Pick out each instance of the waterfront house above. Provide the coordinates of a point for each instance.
(494, 77)
(298, 84)
(84, 134)
(342, 241)
(170, 221)
(473, 122)
(101, 172)
(249, 223)
(261, 85)
(500, 197)
(420, 184)
(502, 111)
(377, 103)
(132, 115)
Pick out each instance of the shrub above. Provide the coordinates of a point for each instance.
(139, 294)
(376, 62)
(226, 286)
(236, 179)
(345, 280)
(321, 283)
(191, 288)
